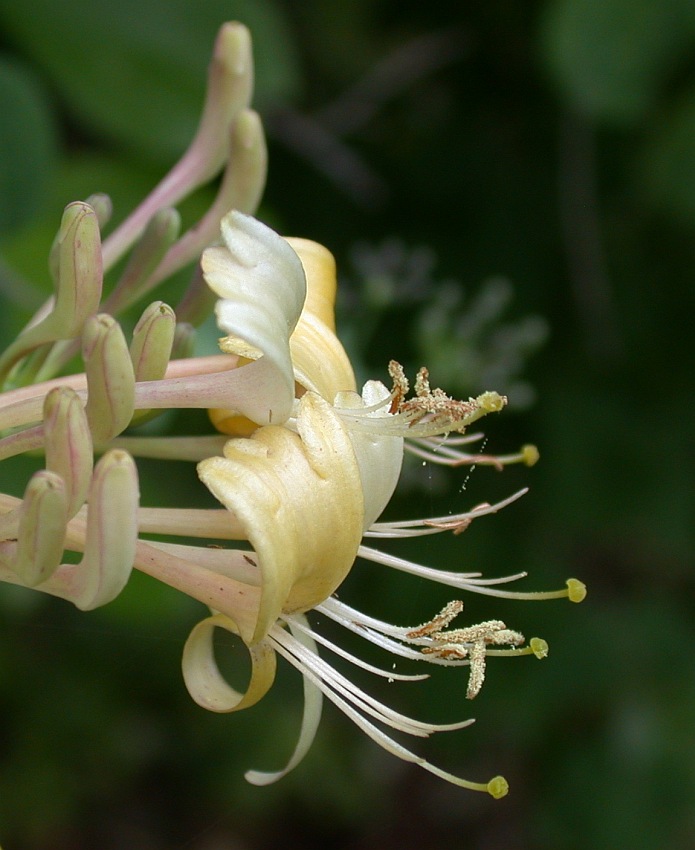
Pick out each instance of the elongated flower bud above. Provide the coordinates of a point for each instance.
(158, 237)
(78, 282)
(79, 274)
(230, 84)
(153, 338)
(110, 378)
(41, 528)
(68, 444)
(108, 540)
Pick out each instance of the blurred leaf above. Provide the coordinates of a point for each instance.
(610, 57)
(134, 72)
(27, 145)
(667, 163)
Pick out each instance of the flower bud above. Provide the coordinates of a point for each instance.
(68, 444)
(151, 347)
(78, 288)
(102, 206)
(230, 83)
(110, 378)
(159, 235)
(184, 341)
(77, 271)
(41, 533)
(153, 338)
(112, 531)
(240, 189)
(108, 540)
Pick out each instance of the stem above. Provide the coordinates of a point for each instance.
(24, 405)
(194, 522)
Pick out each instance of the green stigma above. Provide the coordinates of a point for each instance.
(539, 647)
(498, 787)
(576, 590)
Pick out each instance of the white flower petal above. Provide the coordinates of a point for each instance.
(262, 287)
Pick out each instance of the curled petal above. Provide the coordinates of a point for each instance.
(299, 500)
(260, 281)
(311, 717)
(202, 676)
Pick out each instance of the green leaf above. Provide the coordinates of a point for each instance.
(134, 71)
(609, 58)
(27, 145)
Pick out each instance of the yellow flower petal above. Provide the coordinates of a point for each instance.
(320, 362)
(203, 679)
(299, 499)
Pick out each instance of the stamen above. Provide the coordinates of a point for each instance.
(320, 676)
(454, 522)
(429, 413)
(441, 621)
(353, 659)
(308, 662)
(575, 590)
(458, 647)
(435, 450)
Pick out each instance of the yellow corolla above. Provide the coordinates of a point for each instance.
(299, 498)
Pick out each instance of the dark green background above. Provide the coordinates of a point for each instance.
(550, 143)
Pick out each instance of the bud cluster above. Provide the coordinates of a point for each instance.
(74, 503)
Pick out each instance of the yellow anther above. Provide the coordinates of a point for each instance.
(498, 787)
(539, 647)
(576, 590)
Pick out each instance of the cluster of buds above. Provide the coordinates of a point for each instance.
(302, 464)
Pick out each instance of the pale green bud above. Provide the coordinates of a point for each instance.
(151, 348)
(68, 444)
(78, 288)
(112, 531)
(240, 189)
(77, 268)
(229, 88)
(248, 161)
(41, 533)
(153, 338)
(108, 539)
(110, 378)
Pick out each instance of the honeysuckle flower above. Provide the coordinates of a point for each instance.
(304, 492)
(307, 472)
